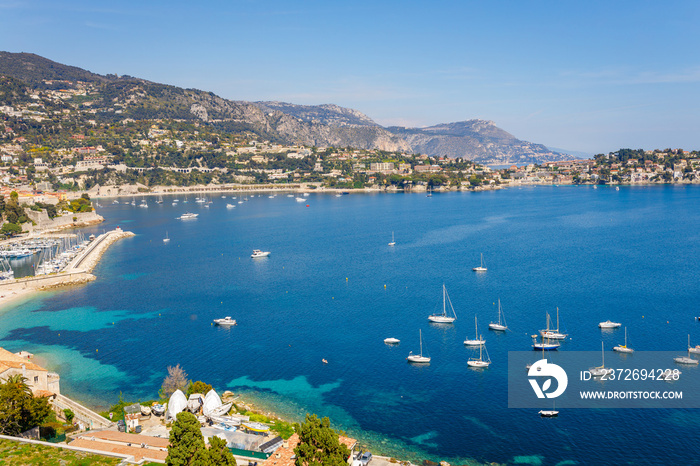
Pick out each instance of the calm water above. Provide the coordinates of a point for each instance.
(333, 289)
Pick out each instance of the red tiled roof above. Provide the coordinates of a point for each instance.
(283, 455)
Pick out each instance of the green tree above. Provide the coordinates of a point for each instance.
(69, 415)
(198, 387)
(219, 454)
(10, 229)
(186, 443)
(319, 444)
(19, 409)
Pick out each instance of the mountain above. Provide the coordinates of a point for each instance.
(115, 98)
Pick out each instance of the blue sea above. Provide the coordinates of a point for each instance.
(333, 289)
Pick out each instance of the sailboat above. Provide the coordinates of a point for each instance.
(480, 363)
(481, 268)
(544, 345)
(444, 318)
(418, 358)
(623, 348)
(166, 239)
(686, 359)
(693, 349)
(553, 334)
(599, 371)
(477, 341)
(501, 325)
(160, 200)
(430, 192)
(549, 413)
(393, 243)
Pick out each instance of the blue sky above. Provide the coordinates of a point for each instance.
(591, 76)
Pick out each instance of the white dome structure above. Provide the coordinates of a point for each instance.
(211, 402)
(176, 404)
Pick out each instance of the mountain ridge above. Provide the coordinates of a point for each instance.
(311, 125)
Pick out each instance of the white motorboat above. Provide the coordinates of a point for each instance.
(393, 243)
(300, 199)
(188, 216)
(158, 409)
(444, 318)
(553, 334)
(501, 325)
(623, 348)
(230, 206)
(418, 358)
(609, 324)
(480, 363)
(258, 253)
(392, 341)
(226, 321)
(480, 268)
(477, 341)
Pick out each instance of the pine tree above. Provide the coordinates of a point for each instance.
(186, 443)
(319, 444)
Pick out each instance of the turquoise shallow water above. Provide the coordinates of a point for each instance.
(333, 289)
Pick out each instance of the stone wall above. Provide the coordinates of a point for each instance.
(44, 223)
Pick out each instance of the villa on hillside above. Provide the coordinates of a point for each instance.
(41, 381)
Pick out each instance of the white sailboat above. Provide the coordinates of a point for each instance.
(599, 371)
(687, 359)
(444, 318)
(480, 268)
(481, 362)
(623, 348)
(549, 413)
(553, 334)
(477, 341)
(501, 325)
(166, 239)
(693, 349)
(418, 358)
(393, 243)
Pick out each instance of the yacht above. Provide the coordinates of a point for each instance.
(544, 345)
(553, 334)
(480, 268)
(481, 362)
(392, 341)
(444, 318)
(418, 358)
(623, 348)
(609, 324)
(258, 253)
(477, 341)
(187, 215)
(501, 325)
(226, 321)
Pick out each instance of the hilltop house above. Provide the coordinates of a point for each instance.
(41, 381)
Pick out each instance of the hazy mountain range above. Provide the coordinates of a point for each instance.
(119, 97)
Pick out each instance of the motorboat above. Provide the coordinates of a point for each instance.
(609, 324)
(392, 341)
(158, 409)
(230, 206)
(188, 216)
(225, 322)
(258, 253)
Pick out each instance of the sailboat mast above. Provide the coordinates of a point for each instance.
(444, 311)
(420, 337)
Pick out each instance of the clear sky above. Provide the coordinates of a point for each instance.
(591, 76)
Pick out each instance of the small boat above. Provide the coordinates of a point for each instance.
(226, 321)
(418, 358)
(158, 409)
(609, 324)
(600, 371)
(166, 239)
(300, 199)
(549, 413)
(393, 243)
(324, 361)
(687, 359)
(115, 202)
(693, 349)
(444, 318)
(258, 253)
(480, 268)
(623, 348)
(553, 334)
(544, 345)
(481, 362)
(145, 410)
(188, 216)
(230, 206)
(159, 200)
(501, 325)
(477, 341)
(392, 341)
